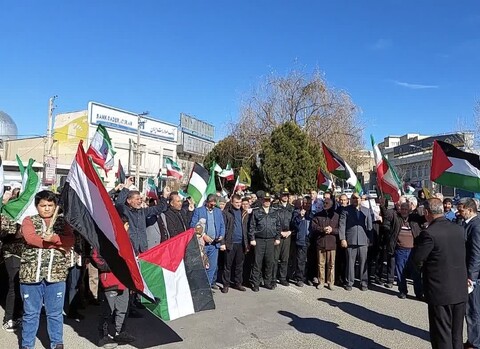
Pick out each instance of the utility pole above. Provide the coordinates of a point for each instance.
(51, 107)
(140, 122)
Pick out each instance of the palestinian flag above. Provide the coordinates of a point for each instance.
(120, 175)
(323, 182)
(24, 206)
(387, 179)
(197, 185)
(338, 167)
(173, 170)
(455, 168)
(174, 272)
(90, 211)
(227, 173)
(151, 189)
(211, 186)
(101, 149)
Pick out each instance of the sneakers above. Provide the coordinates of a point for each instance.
(388, 285)
(347, 288)
(255, 289)
(300, 283)
(330, 287)
(124, 338)
(284, 283)
(10, 326)
(214, 287)
(364, 288)
(107, 343)
(224, 289)
(402, 295)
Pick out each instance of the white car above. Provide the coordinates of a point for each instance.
(348, 192)
(372, 194)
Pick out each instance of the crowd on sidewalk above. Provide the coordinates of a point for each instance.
(251, 241)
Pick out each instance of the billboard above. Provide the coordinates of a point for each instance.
(196, 127)
(126, 121)
(69, 129)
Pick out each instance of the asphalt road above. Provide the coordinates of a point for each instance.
(287, 317)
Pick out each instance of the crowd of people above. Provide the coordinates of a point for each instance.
(251, 240)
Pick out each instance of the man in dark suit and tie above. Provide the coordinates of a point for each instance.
(354, 232)
(440, 252)
(472, 244)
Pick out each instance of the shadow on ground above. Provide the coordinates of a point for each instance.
(381, 320)
(330, 331)
(149, 331)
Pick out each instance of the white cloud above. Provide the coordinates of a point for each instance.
(414, 86)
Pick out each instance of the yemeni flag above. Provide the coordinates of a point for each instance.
(90, 211)
(24, 206)
(323, 182)
(174, 272)
(151, 189)
(120, 175)
(173, 170)
(227, 173)
(338, 167)
(387, 179)
(197, 185)
(101, 149)
(455, 168)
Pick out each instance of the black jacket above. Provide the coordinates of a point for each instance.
(177, 222)
(285, 214)
(472, 244)
(137, 219)
(440, 252)
(396, 225)
(229, 231)
(263, 225)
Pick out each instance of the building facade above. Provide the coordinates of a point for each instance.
(411, 155)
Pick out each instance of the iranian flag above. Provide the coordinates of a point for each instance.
(227, 173)
(90, 211)
(338, 167)
(173, 170)
(101, 150)
(197, 185)
(24, 206)
(455, 168)
(387, 179)
(151, 189)
(174, 272)
(323, 182)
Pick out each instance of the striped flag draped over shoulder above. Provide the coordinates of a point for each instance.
(89, 210)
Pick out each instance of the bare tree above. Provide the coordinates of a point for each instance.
(324, 113)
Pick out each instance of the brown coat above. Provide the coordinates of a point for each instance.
(327, 242)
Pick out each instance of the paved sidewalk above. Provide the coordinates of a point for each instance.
(288, 317)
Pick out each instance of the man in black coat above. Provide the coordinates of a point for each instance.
(282, 251)
(440, 252)
(175, 219)
(472, 244)
(236, 245)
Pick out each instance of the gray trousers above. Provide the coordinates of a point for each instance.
(354, 253)
(115, 303)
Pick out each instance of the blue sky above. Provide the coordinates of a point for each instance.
(411, 66)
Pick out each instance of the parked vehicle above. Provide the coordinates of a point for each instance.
(372, 194)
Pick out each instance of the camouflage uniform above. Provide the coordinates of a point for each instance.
(53, 265)
(12, 244)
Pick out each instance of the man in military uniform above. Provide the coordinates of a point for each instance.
(43, 270)
(264, 235)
